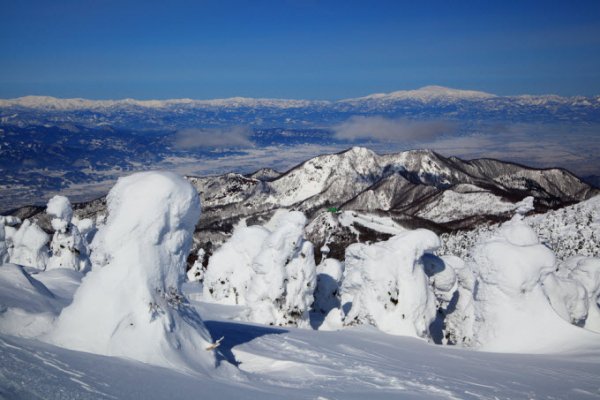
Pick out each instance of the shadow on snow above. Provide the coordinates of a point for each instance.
(235, 334)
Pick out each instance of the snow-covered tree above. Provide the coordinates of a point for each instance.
(229, 270)
(29, 245)
(282, 285)
(327, 292)
(459, 312)
(132, 305)
(69, 248)
(196, 272)
(270, 269)
(512, 311)
(385, 284)
(585, 272)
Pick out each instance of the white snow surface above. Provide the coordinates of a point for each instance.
(292, 363)
(371, 221)
(130, 305)
(27, 306)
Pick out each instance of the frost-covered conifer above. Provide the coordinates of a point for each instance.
(512, 311)
(270, 269)
(29, 246)
(196, 272)
(385, 284)
(131, 305)
(69, 248)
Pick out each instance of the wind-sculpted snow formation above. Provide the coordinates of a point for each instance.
(28, 245)
(385, 284)
(512, 310)
(270, 269)
(511, 294)
(131, 304)
(69, 248)
(27, 306)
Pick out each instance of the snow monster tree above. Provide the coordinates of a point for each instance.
(130, 304)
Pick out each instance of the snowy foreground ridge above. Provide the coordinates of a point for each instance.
(102, 309)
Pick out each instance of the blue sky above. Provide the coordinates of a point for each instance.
(295, 48)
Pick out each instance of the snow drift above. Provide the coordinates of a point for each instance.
(27, 306)
(130, 304)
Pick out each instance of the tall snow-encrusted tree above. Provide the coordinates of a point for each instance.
(131, 304)
(270, 269)
(229, 271)
(385, 284)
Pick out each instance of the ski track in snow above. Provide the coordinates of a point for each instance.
(44, 368)
(304, 364)
(366, 365)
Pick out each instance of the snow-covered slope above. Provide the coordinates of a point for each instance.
(509, 294)
(58, 104)
(301, 364)
(426, 94)
(361, 179)
(418, 185)
(569, 231)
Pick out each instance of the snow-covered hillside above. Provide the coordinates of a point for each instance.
(401, 312)
(569, 231)
(416, 188)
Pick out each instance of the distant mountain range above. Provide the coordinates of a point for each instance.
(427, 102)
(49, 145)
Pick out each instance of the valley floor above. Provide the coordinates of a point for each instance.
(355, 363)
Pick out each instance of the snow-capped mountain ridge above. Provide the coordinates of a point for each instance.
(415, 187)
(63, 104)
(425, 94)
(429, 103)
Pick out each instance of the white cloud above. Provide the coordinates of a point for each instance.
(392, 130)
(193, 138)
